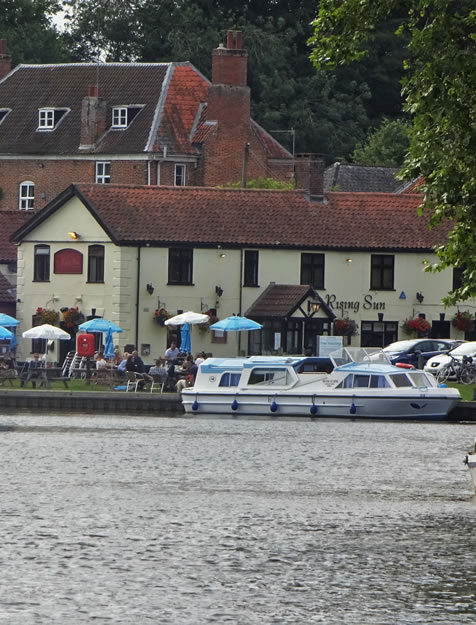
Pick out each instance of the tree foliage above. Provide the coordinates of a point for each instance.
(329, 113)
(440, 96)
(30, 35)
(385, 146)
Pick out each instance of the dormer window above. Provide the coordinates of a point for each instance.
(122, 116)
(49, 118)
(3, 114)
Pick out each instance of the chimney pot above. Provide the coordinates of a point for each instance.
(229, 40)
(93, 91)
(3, 46)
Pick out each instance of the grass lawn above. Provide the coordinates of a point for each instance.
(465, 390)
(75, 384)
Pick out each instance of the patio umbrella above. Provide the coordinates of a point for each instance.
(187, 317)
(7, 321)
(109, 345)
(185, 339)
(6, 334)
(99, 325)
(48, 332)
(236, 324)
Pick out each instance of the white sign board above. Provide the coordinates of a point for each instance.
(277, 340)
(327, 344)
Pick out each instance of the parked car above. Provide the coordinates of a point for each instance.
(437, 363)
(417, 351)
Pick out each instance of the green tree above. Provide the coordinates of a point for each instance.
(30, 34)
(439, 90)
(385, 146)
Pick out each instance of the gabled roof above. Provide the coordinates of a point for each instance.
(281, 300)
(207, 217)
(10, 221)
(171, 96)
(30, 87)
(7, 291)
(360, 178)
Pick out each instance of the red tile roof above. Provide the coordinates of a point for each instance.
(9, 222)
(186, 90)
(7, 291)
(262, 218)
(172, 97)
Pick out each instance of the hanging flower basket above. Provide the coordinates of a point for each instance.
(345, 327)
(161, 315)
(413, 325)
(212, 318)
(462, 320)
(46, 315)
(71, 318)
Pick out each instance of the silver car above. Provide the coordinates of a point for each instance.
(436, 363)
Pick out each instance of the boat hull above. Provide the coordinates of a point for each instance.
(424, 406)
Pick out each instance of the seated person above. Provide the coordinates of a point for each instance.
(121, 367)
(158, 370)
(136, 364)
(101, 368)
(35, 371)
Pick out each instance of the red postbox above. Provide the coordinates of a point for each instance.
(85, 345)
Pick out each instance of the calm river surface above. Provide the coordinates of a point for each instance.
(191, 521)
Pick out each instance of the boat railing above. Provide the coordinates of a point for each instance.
(364, 356)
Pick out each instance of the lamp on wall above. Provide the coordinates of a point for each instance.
(313, 307)
(420, 297)
(380, 316)
(150, 289)
(219, 291)
(74, 235)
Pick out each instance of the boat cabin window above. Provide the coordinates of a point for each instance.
(230, 379)
(400, 380)
(419, 379)
(355, 380)
(269, 376)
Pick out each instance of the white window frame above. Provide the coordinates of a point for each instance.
(46, 119)
(179, 175)
(4, 113)
(120, 117)
(26, 195)
(103, 172)
(158, 173)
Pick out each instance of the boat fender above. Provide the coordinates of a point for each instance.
(274, 406)
(353, 409)
(195, 405)
(313, 409)
(234, 405)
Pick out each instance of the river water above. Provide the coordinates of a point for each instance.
(194, 521)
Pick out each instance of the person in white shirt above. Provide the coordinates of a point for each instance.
(171, 354)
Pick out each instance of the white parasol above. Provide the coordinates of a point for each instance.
(190, 317)
(46, 331)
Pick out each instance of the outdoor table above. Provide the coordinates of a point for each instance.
(50, 374)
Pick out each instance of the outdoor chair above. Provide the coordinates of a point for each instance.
(158, 383)
(132, 381)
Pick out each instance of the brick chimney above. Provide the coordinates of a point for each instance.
(230, 64)
(93, 118)
(309, 174)
(228, 106)
(5, 59)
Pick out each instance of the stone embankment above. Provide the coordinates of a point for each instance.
(96, 402)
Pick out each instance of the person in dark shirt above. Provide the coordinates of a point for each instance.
(35, 371)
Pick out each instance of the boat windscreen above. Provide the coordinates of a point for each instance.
(347, 355)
